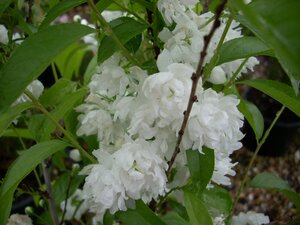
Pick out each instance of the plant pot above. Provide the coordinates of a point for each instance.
(282, 134)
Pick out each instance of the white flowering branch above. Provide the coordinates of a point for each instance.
(195, 79)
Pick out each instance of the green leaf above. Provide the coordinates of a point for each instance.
(279, 91)
(142, 214)
(3, 5)
(268, 180)
(201, 166)
(62, 184)
(145, 3)
(276, 23)
(198, 213)
(103, 4)
(18, 132)
(55, 93)
(131, 217)
(218, 199)
(172, 218)
(58, 10)
(125, 29)
(11, 113)
(66, 106)
(243, 47)
(33, 56)
(253, 116)
(70, 60)
(22, 166)
(5, 206)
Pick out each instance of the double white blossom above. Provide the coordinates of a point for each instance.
(184, 43)
(133, 172)
(3, 35)
(18, 219)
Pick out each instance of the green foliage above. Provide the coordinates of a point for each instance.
(142, 214)
(277, 25)
(21, 167)
(243, 47)
(201, 166)
(172, 218)
(253, 116)
(58, 10)
(270, 181)
(125, 29)
(33, 56)
(196, 209)
(12, 113)
(282, 93)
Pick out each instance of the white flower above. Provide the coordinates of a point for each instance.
(184, 43)
(111, 15)
(18, 219)
(95, 120)
(3, 35)
(223, 168)
(217, 76)
(74, 203)
(131, 173)
(75, 155)
(35, 87)
(215, 122)
(219, 220)
(250, 218)
(166, 96)
(170, 9)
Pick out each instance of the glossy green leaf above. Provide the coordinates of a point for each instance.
(277, 24)
(131, 217)
(142, 214)
(32, 57)
(253, 116)
(6, 204)
(148, 214)
(145, 3)
(279, 91)
(201, 166)
(22, 166)
(70, 60)
(243, 47)
(59, 9)
(268, 180)
(103, 4)
(67, 105)
(218, 199)
(172, 218)
(125, 29)
(54, 95)
(12, 113)
(198, 213)
(18, 132)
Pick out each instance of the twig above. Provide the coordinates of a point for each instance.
(195, 78)
(52, 207)
(67, 134)
(264, 138)
(66, 200)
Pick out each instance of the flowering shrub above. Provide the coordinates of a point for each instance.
(153, 116)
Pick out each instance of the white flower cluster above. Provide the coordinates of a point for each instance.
(136, 117)
(184, 43)
(250, 218)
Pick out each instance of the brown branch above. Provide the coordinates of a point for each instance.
(195, 78)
